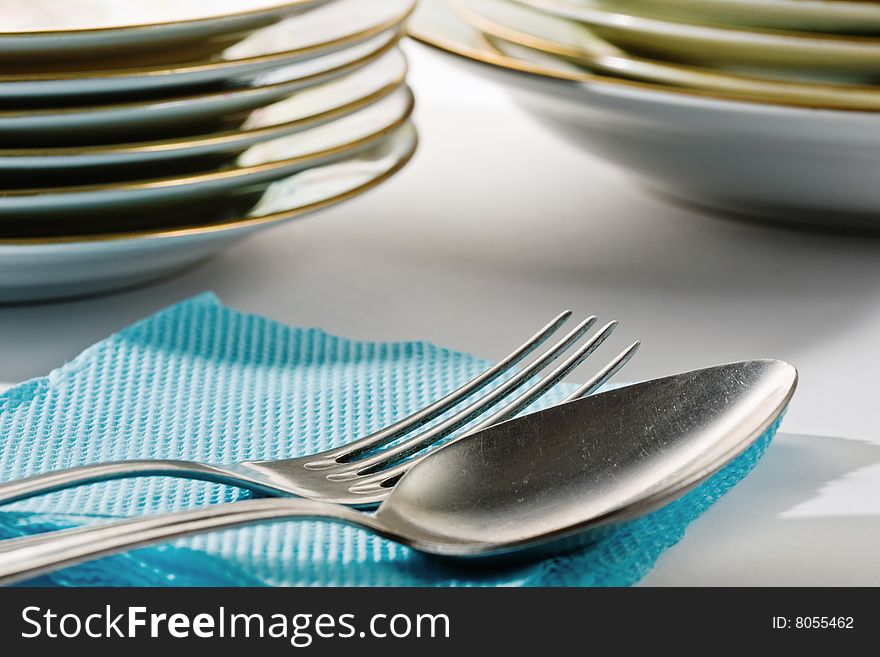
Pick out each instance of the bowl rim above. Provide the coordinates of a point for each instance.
(490, 57)
(685, 29)
(838, 96)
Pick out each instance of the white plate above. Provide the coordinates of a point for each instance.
(39, 269)
(319, 32)
(53, 29)
(119, 121)
(256, 167)
(765, 161)
(307, 109)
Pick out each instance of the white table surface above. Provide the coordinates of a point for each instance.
(497, 225)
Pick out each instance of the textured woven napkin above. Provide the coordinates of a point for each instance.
(202, 381)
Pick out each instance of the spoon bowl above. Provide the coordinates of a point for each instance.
(581, 466)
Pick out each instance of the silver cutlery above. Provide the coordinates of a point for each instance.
(361, 473)
(540, 483)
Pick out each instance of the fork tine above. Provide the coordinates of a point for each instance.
(477, 408)
(437, 408)
(550, 380)
(378, 481)
(606, 372)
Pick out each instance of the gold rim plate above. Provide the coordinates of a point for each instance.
(299, 194)
(571, 41)
(320, 31)
(121, 118)
(253, 170)
(790, 53)
(436, 23)
(310, 108)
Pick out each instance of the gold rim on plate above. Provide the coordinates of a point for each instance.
(490, 56)
(195, 67)
(608, 18)
(217, 138)
(805, 94)
(276, 7)
(228, 224)
(178, 181)
(839, 11)
(207, 97)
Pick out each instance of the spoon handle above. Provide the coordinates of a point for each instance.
(29, 556)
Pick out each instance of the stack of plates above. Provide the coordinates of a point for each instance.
(139, 137)
(765, 108)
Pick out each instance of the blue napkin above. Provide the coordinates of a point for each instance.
(201, 381)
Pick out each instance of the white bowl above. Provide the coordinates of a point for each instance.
(790, 54)
(770, 161)
(510, 22)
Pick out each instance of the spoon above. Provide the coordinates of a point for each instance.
(540, 483)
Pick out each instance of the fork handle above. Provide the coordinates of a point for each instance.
(29, 556)
(50, 482)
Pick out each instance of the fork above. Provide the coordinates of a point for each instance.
(361, 473)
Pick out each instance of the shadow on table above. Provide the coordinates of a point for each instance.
(808, 515)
